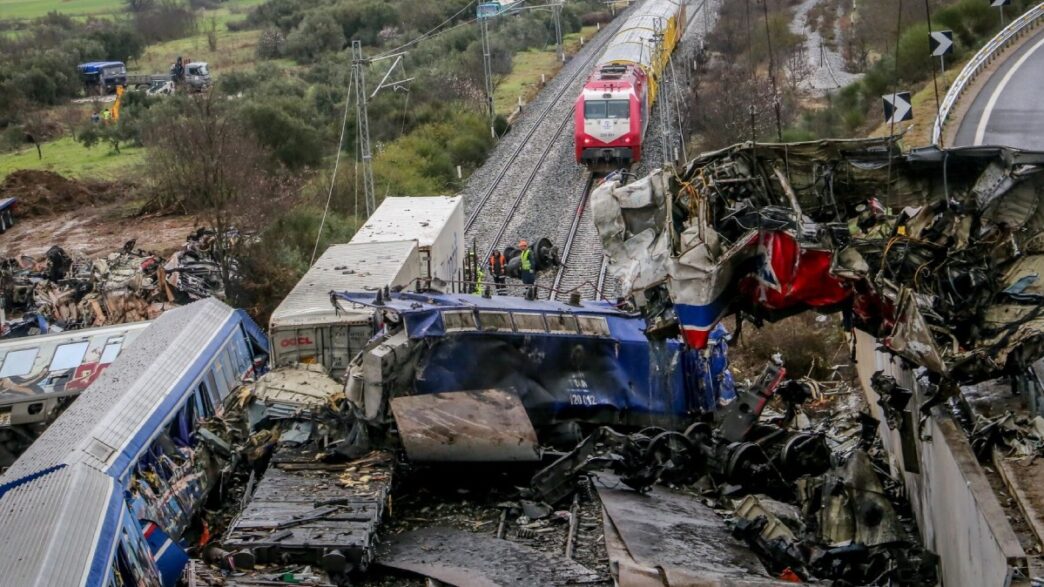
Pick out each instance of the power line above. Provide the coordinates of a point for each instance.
(430, 33)
(337, 162)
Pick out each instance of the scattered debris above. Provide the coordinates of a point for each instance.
(62, 292)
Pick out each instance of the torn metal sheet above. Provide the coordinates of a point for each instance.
(479, 560)
(677, 535)
(488, 425)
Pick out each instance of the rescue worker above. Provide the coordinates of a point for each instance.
(480, 277)
(525, 267)
(498, 269)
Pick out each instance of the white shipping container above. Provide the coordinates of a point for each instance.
(306, 328)
(437, 224)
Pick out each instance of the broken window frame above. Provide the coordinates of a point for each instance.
(522, 322)
(452, 322)
(593, 325)
(503, 318)
(560, 324)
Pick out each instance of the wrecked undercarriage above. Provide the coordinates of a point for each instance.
(937, 253)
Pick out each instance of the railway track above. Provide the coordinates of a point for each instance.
(536, 169)
(584, 266)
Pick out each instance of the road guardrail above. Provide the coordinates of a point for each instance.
(986, 56)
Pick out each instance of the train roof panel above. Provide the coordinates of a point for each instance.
(404, 218)
(633, 41)
(359, 266)
(6, 203)
(51, 527)
(120, 413)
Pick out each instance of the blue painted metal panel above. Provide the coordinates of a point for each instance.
(108, 534)
(147, 432)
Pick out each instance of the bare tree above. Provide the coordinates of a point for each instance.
(204, 161)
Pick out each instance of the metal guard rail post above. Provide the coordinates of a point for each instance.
(1004, 39)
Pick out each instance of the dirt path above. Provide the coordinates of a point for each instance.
(95, 231)
(826, 66)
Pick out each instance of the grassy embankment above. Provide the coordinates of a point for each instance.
(524, 79)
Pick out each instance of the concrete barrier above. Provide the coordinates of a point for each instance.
(957, 511)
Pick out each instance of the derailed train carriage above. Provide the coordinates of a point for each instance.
(105, 493)
(612, 112)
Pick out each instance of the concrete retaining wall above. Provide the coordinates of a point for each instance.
(958, 513)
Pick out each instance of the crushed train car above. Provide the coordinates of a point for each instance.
(590, 363)
(936, 252)
(107, 491)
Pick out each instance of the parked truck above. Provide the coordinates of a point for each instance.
(102, 77)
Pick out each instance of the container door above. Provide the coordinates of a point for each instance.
(340, 350)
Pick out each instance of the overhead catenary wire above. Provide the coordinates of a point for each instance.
(333, 177)
(935, 81)
(772, 73)
(753, 75)
(431, 33)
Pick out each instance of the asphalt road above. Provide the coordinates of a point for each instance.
(1009, 110)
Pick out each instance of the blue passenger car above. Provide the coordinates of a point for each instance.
(102, 496)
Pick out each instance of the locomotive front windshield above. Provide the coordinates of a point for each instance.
(601, 109)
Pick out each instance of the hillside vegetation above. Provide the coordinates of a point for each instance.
(281, 72)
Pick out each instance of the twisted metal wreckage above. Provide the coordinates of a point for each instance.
(938, 253)
(60, 291)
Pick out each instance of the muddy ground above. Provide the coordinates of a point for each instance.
(95, 218)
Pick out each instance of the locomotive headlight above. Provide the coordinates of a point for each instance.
(587, 141)
(626, 139)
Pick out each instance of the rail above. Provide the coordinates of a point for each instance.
(985, 56)
(567, 248)
(582, 70)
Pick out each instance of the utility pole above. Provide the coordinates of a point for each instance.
(556, 12)
(359, 65)
(487, 70)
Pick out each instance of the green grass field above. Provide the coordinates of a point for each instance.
(526, 67)
(19, 9)
(69, 158)
(22, 9)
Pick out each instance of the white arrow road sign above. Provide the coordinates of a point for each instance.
(897, 107)
(941, 43)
